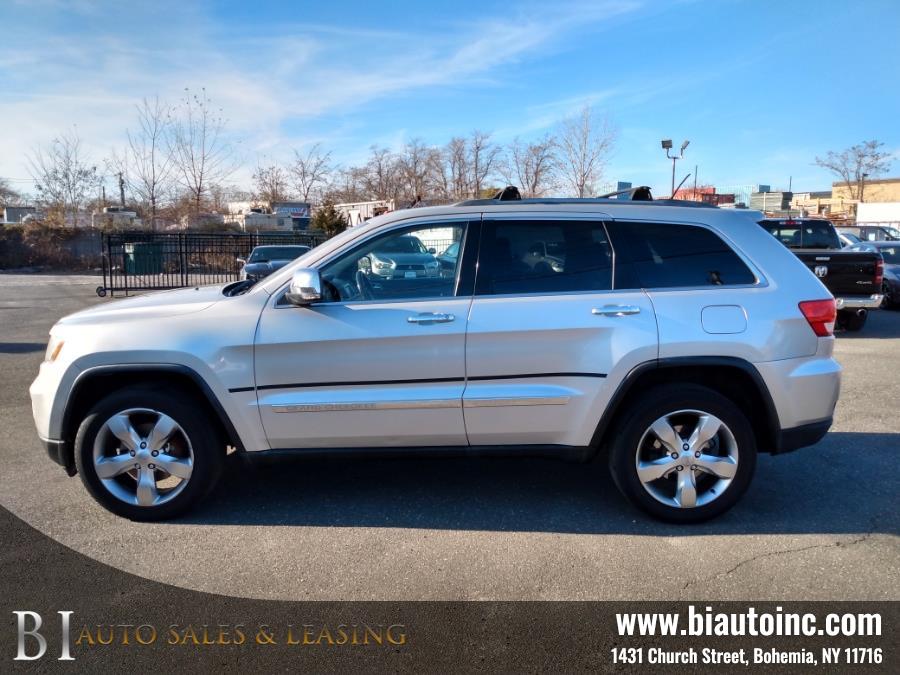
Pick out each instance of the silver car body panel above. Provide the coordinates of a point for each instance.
(508, 370)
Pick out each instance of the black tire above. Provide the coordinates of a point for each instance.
(206, 444)
(889, 302)
(849, 320)
(664, 400)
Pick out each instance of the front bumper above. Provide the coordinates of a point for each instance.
(859, 301)
(61, 453)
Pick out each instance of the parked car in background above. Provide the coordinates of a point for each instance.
(853, 277)
(264, 260)
(873, 232)
(545, 257)
(673, 339)
(447, 259)
(848, 238)
(400, 258)
(890, 253)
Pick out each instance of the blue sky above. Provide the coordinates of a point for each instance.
(758, 87)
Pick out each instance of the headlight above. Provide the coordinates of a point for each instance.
(383, 265)
(53, 348)
(434, 264)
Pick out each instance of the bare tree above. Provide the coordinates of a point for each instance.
(148, 163)
(381, 174)
(201, 154)
(481, 158)
(347, 185)
(456, 158)
(271, 184)
(7, 194)
(531, 166)
(415, 170)
(857, 163)
(585, 141)
(63, 177)
(311, 173)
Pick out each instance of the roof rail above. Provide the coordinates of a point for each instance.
(639, 194)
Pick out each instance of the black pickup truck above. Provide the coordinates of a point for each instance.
(853, 277)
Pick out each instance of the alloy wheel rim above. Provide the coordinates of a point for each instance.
(687, 459)
(143, 457)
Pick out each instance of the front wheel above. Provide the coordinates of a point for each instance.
(683, 453)
(147, 455)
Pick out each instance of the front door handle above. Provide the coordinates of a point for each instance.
(615, 310)
(430, 317)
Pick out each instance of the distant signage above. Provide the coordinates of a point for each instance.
(294, 210)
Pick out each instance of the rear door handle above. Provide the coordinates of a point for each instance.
(430, 317)
(615, 310)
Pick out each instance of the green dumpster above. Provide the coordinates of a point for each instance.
(143, 258)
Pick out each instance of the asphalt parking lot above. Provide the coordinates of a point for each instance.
(821, 523)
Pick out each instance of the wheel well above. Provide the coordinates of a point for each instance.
(739, 383)
(94, 386)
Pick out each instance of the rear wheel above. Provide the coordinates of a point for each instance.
(889, 301)
(147, 455)
(684, 453)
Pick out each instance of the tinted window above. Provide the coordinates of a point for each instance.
(532, 256)
(803, 234)
(668, 256)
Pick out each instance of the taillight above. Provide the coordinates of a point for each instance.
(879, 273)
(820, 314)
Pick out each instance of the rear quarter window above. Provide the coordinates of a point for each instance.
(664, 255)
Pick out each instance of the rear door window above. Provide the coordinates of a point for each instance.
(664, 255)
(543, 256)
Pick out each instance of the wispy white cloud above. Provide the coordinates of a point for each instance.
(90, 72)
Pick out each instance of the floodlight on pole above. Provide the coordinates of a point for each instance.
(667, 145)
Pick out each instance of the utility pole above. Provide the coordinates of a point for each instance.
(122, 190)
(862, 186)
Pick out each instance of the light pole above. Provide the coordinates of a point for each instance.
(667, 145)
(862, 187)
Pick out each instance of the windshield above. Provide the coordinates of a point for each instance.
(402, 245)
(267, 253)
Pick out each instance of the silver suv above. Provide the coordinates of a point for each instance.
(676, 342)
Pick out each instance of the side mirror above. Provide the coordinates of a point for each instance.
(305, 288)
(242, 261)
(432, 251)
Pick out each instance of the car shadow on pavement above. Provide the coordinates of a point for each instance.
(882, 324)
(22, 347)
(846, 483)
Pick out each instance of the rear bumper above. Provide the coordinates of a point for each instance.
(859, 301)
(60, 453)
(802, 436)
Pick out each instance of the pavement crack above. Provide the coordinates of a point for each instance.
(770, 554)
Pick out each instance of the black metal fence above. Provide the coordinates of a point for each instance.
(140, 261)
